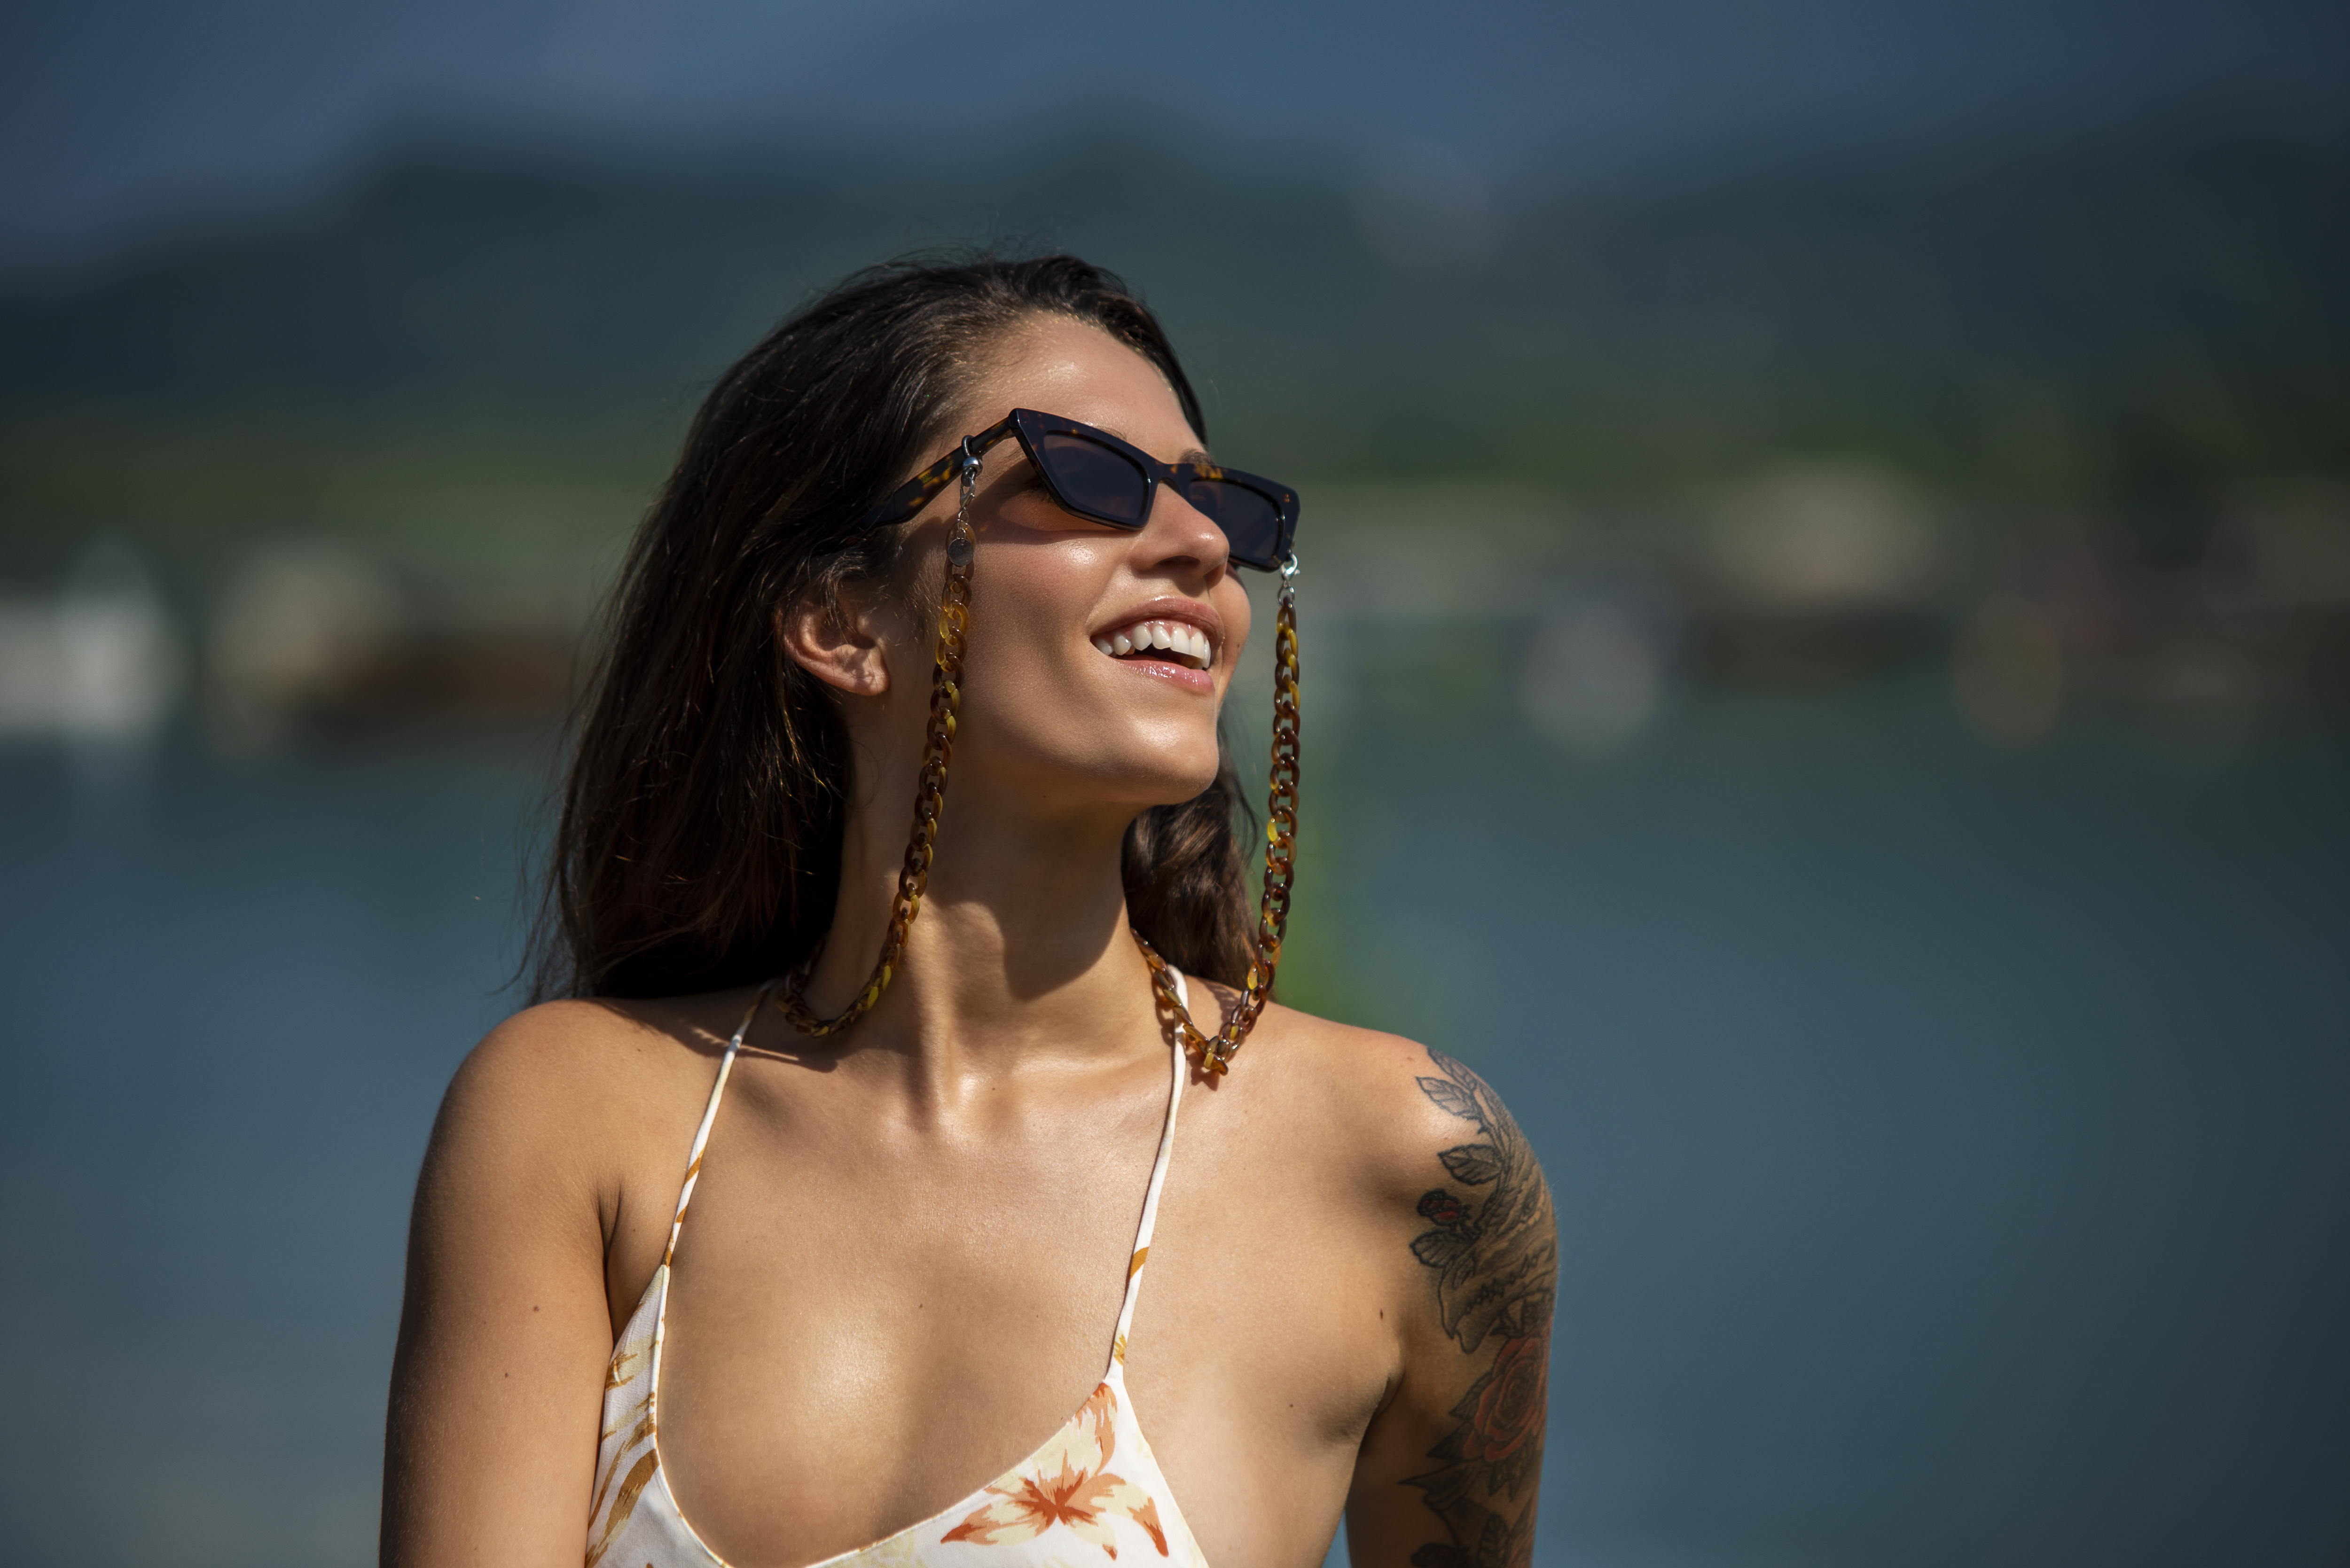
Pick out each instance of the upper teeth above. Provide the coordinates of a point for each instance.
(1174, 636)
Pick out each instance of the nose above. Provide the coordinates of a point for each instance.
(1177, 532)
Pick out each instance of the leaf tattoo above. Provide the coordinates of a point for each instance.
(1495, 1255)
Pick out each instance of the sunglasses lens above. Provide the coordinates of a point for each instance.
(1094, 479)
(1250, 522)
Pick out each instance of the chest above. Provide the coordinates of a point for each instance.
(863, 1328)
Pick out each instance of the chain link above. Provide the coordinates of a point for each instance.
(1214, 1053)
(929, 793)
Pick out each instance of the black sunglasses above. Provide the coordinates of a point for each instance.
(1096, 475)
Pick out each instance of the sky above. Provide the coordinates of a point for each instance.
(123, 118)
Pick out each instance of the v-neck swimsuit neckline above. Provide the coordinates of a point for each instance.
(1091, 1493)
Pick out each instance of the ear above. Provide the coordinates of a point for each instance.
(835, 643)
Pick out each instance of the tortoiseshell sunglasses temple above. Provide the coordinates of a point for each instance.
(902, 504)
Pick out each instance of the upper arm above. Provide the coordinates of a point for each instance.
(1448, 1473)
(497, 1381)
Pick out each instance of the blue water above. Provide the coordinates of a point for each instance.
(1949, 1143)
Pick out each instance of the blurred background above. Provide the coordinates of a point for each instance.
(1826, 660)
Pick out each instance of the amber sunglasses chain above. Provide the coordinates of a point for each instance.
(1212, 1053)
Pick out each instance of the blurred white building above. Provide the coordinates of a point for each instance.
(98, 662)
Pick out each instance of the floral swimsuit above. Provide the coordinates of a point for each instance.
(1092, 1494)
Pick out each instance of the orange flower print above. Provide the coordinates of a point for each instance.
(1066, 1482)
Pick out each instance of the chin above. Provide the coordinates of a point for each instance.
(1168, 779)
(1132, 761)
(1189, 782)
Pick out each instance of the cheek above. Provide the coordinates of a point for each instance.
(1232, 601)
(1027, 627)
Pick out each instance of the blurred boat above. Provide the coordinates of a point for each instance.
(316, 640)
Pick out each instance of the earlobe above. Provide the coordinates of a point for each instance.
(826, 641)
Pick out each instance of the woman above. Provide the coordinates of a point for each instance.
(922, 1190)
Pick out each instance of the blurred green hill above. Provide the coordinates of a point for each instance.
(2059, 325)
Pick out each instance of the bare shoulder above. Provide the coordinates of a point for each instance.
(570, 1089)
(551, 1068)
(1410, 1113)
(1443, 1169)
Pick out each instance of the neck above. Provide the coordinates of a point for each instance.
(1020, 954)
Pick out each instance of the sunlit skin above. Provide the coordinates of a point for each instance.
(907, 1249)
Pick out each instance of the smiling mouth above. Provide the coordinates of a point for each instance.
(1172, 640)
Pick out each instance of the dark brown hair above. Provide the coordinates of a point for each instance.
(698, 845)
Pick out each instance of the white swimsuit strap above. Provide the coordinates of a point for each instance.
(710, 1114)
(1150, 1196)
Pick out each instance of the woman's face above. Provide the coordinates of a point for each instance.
(1053, 715)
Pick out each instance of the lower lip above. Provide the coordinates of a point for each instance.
(1183, 675)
